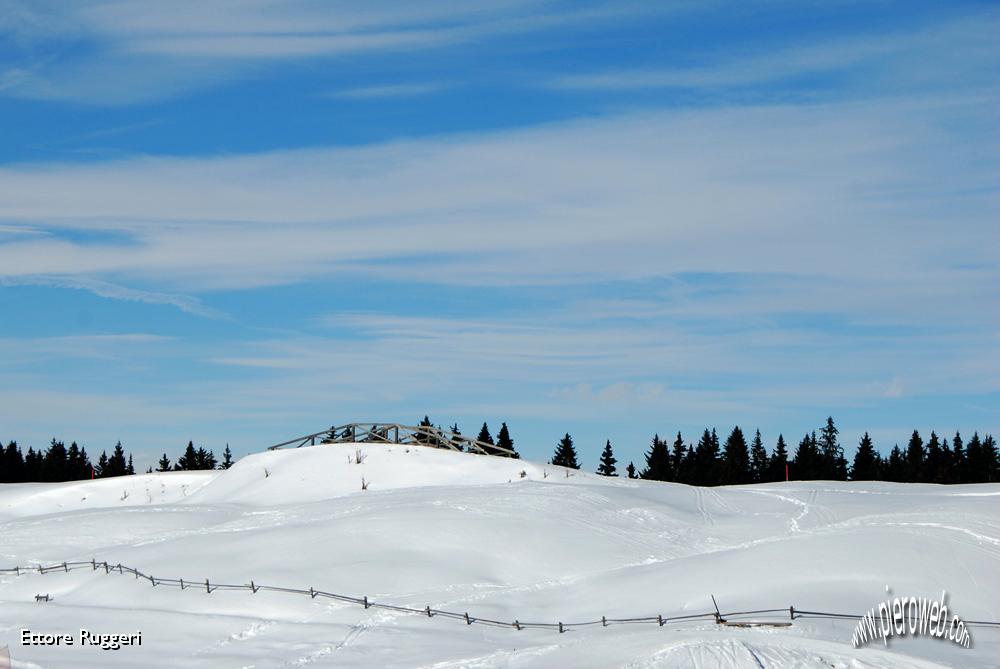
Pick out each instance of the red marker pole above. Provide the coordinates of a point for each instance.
(786, 471)
(92, 472)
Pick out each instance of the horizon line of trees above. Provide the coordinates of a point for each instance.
(60, 463)
(817, 457)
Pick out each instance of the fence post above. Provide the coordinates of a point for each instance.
(604, 621)
(429, 614)
(65, 568)
(208, 588)
(40, 570)
(517, 626)
(312, 593)
(659, 619)
(468, 621)
(791, 613)
(120, 568)
(253, 587)
(17, 571)
(93, 563)
(153, 581)
(561, 630)
(366, 602)
(182, 584)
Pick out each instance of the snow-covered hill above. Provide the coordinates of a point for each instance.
(499, 538)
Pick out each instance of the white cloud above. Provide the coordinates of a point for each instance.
(389, 91)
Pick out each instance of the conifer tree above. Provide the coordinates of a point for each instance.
(866, 461)
(959, 464)
(485, 437)
(130, 470)
(807, 464)
(992, 459)
(117, 466)
(778, 463)
(565, 455)
(735, 459)
(677, 460)
(607, 466)
(834, 464)
(456, 433)
(504, 441)
(977, 467)
(630, 471)
(934, 462)
(914, 468)
(164, 464)
(758, 460)
(705, 469)
(895, 465)
(227, 458)
(657, 461)
(188, 461)
(13, 464)
(102, 470)
(55, 463)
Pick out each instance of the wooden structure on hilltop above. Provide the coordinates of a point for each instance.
(394, 433)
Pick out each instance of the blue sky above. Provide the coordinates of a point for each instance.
(240, 221)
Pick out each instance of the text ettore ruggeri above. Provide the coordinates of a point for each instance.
(82, 638)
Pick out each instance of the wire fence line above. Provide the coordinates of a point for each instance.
(730, 617)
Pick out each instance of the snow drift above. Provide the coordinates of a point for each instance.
(503, 539)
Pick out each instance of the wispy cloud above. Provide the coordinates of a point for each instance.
(389, 91)
(132, 52)
(101, 288)
(877, 62)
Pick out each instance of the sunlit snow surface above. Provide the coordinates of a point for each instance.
(469, 533)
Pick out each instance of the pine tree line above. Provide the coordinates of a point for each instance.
(503, 439)
(817, 457)
(59, 463)
(195, 459)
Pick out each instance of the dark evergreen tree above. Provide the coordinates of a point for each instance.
(977, 467)
(164, 464)
(914, 469)
(117, 465)
(934, 462)
(992, 459)
(504, 441)
(705, 465)
(13, 464)
(959, 463)
(657, 461)
(895, 466)
(735, 459)
(630, 471)
(455, 442)
(227, 458)
(833, 463)
(55, 463)
(758, 460)
(807, 465)
(947, 470)
(866, 461)
(129, 469)
(677, 460)
(485, 437)
(607, 466)
(101, 470)
(77, 463)
(779, 460)
(565, 455)
(425, 439)
(188, 461)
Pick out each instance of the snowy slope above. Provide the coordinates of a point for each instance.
(470, 533)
